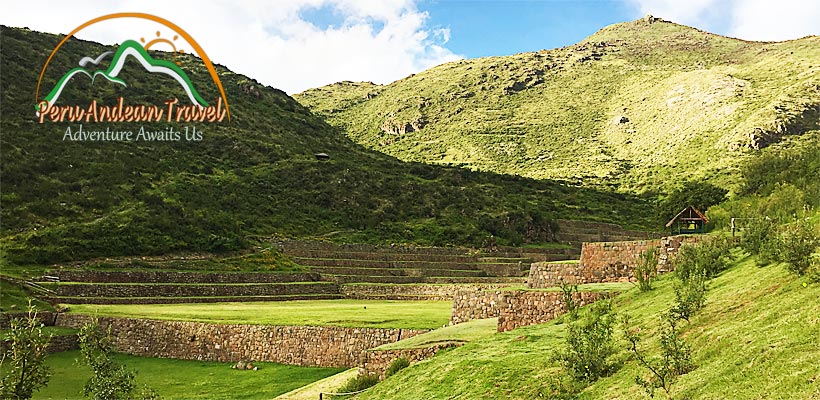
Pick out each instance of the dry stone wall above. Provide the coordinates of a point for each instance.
(172, 290)
(377, 361)
(515, 308)
(46, 318)
(322, 346)
(576, 232)
(476, 304)
(79, 275)
(607, 262)
(410, 292)
(530, 308)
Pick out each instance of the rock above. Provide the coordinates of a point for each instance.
(649, 19)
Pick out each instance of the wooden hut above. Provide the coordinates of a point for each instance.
(689, 220)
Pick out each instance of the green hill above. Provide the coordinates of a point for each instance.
(641, 106)
(248, 179)
(757, 337)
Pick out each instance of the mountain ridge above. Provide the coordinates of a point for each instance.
(245, 181)
(627, 108)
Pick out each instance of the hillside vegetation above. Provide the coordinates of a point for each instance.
(246, 180)
(641, 106)
(757, 337)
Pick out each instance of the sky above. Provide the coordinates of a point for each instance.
(295, 45)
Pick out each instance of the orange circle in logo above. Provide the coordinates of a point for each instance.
(208, 64)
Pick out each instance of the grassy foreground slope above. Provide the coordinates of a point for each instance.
(757, 337)
(642, 105)
(252, 177)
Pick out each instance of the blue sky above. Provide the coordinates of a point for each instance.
(294, 45)
(487, 28)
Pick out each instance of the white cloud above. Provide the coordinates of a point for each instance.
(374, 40)
(765, 20)
(776, 20)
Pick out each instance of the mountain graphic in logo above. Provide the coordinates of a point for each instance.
(133, 49)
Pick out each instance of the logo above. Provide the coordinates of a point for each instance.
(53, 107)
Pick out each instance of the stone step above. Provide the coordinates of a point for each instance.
(293, 246)
(489, 279)
(413, 291)
(192, 299)
(382, 256)
(395, 271)
(189, 290)
(329, 262)
(94, 276)
(373, 279)
(348, 279)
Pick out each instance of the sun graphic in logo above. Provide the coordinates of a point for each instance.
(136, 50)
(160, 39)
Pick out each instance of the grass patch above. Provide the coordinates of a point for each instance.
(327, 385)
(344, 313)
(756, 337)
(460, 333)
(14, 298)
(182, 379)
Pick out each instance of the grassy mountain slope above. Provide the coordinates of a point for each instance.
(641, 105)
(757, 337)
(252, 177)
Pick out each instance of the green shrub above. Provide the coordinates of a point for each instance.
(647, 268)
(675, 358)
(690, 295)
(589, 345)
(814, 270)
(710, 257)
(756, 233)
(23, 360)
(111, 380)
(795, 244)
(396, 366)
(358, 383)
(569, 301)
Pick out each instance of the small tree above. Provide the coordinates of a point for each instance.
(24, 357)
(675, 359)
(647, 268)
(690, 296)
(796, 243)
(710, 257)
(756, 234)
(570, 306)
(589, 344)
(111, 380)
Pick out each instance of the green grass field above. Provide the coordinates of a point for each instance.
(757, 338)
(181, 379)
(461, 333)
(346, 313)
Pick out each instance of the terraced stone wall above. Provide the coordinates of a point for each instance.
(607, 262)
(377, 361)
(410, 292)
(530, 308)
(192, 290)
(516, 308)
(322, 346)
(577, 232)
(125, 276)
